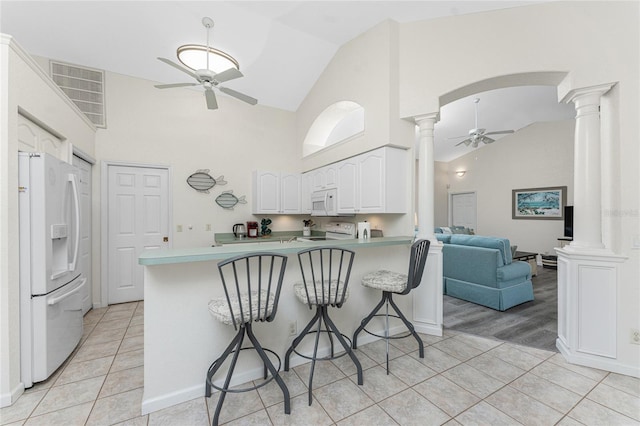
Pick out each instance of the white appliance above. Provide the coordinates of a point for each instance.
(335, 231)
(50, 279)
(325, 203)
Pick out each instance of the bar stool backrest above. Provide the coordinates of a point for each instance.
(419, 252)
(322, 266)
(253, 278)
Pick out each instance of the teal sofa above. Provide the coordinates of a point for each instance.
(481, 270)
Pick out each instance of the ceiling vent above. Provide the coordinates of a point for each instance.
(85, 87)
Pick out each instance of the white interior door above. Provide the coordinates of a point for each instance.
(138, 219)
(85, 231)
(463, 210)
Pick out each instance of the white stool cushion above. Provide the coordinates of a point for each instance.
(386, 281)
(219, 308)
(336, 292)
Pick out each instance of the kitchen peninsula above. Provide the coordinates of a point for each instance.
(181, 339)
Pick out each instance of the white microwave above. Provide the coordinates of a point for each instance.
(325, 203)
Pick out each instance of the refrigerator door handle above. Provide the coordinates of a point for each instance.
(76, 203)
(59, 299)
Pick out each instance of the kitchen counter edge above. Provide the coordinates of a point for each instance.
(203, 254)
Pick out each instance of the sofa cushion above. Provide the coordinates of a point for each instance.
(501, 244)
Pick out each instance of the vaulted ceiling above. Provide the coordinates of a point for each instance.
(282, 46)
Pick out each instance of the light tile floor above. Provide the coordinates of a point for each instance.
(462, 380)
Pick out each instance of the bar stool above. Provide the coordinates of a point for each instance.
(392, 282)
(252, 286)
(325, 280)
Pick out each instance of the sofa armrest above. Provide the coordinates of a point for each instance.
(513, 273)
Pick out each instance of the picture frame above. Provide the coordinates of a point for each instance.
(539, 203)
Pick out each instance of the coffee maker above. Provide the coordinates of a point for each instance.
(252, 229)
(239, 231)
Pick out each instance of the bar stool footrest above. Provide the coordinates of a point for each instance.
(397, 336)
(266, 382)
(327, 358)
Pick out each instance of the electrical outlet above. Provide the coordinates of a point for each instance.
(635, 336)
(293, 328)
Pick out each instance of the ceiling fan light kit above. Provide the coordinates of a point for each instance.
(194, 57)
(209, 67)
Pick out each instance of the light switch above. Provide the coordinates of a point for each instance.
(207, 227)
(179, 228)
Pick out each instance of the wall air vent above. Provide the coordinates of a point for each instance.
(85, 87)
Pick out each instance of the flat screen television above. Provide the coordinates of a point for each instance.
(568, 221)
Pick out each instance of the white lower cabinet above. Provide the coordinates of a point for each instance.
(373, 182)
(276, 192)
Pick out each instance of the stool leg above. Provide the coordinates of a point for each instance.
(215, 366)
(315, 355)
(409, 326)
(268, 364)
(365, 321)
(298, 339)
(386, 331)
(331, 326)
(232, 367)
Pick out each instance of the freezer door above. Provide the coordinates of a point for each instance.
(50, 219)
(56, 327)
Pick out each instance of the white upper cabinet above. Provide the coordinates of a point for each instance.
(305, 193)
(276, 192)
(324, 178)
(373, 182)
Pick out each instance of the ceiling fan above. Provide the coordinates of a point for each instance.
(477, 135)
(208, 78)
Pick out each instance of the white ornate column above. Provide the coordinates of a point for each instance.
(588, 272)
(426, 176)
(587, 193)
(427, 298)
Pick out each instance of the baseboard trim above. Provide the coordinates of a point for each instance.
(8, 398)
(432, 329)
(599, 363)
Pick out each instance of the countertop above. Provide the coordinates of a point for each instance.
(202, 254)
(229, 238)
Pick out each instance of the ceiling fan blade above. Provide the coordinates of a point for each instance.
(466, 142)
(227, 75)
(179, 67)
(238, 95)
(212, 103)
(169, 86)
(500, 132)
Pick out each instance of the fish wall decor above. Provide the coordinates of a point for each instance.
(202, 181)
(227, 200)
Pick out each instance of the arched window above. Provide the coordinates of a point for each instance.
(338, 122)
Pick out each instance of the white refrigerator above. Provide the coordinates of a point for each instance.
(50, 279)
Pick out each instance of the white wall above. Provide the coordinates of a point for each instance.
(540, 155)
(173, 127)
(364, 70)
(593, 43)
(23, 86)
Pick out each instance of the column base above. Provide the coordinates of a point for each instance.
(427, 297)
(588, 282)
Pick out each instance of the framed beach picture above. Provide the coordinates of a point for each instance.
(539, 203)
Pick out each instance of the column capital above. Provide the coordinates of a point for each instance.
(432, 118)
(598, 90)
